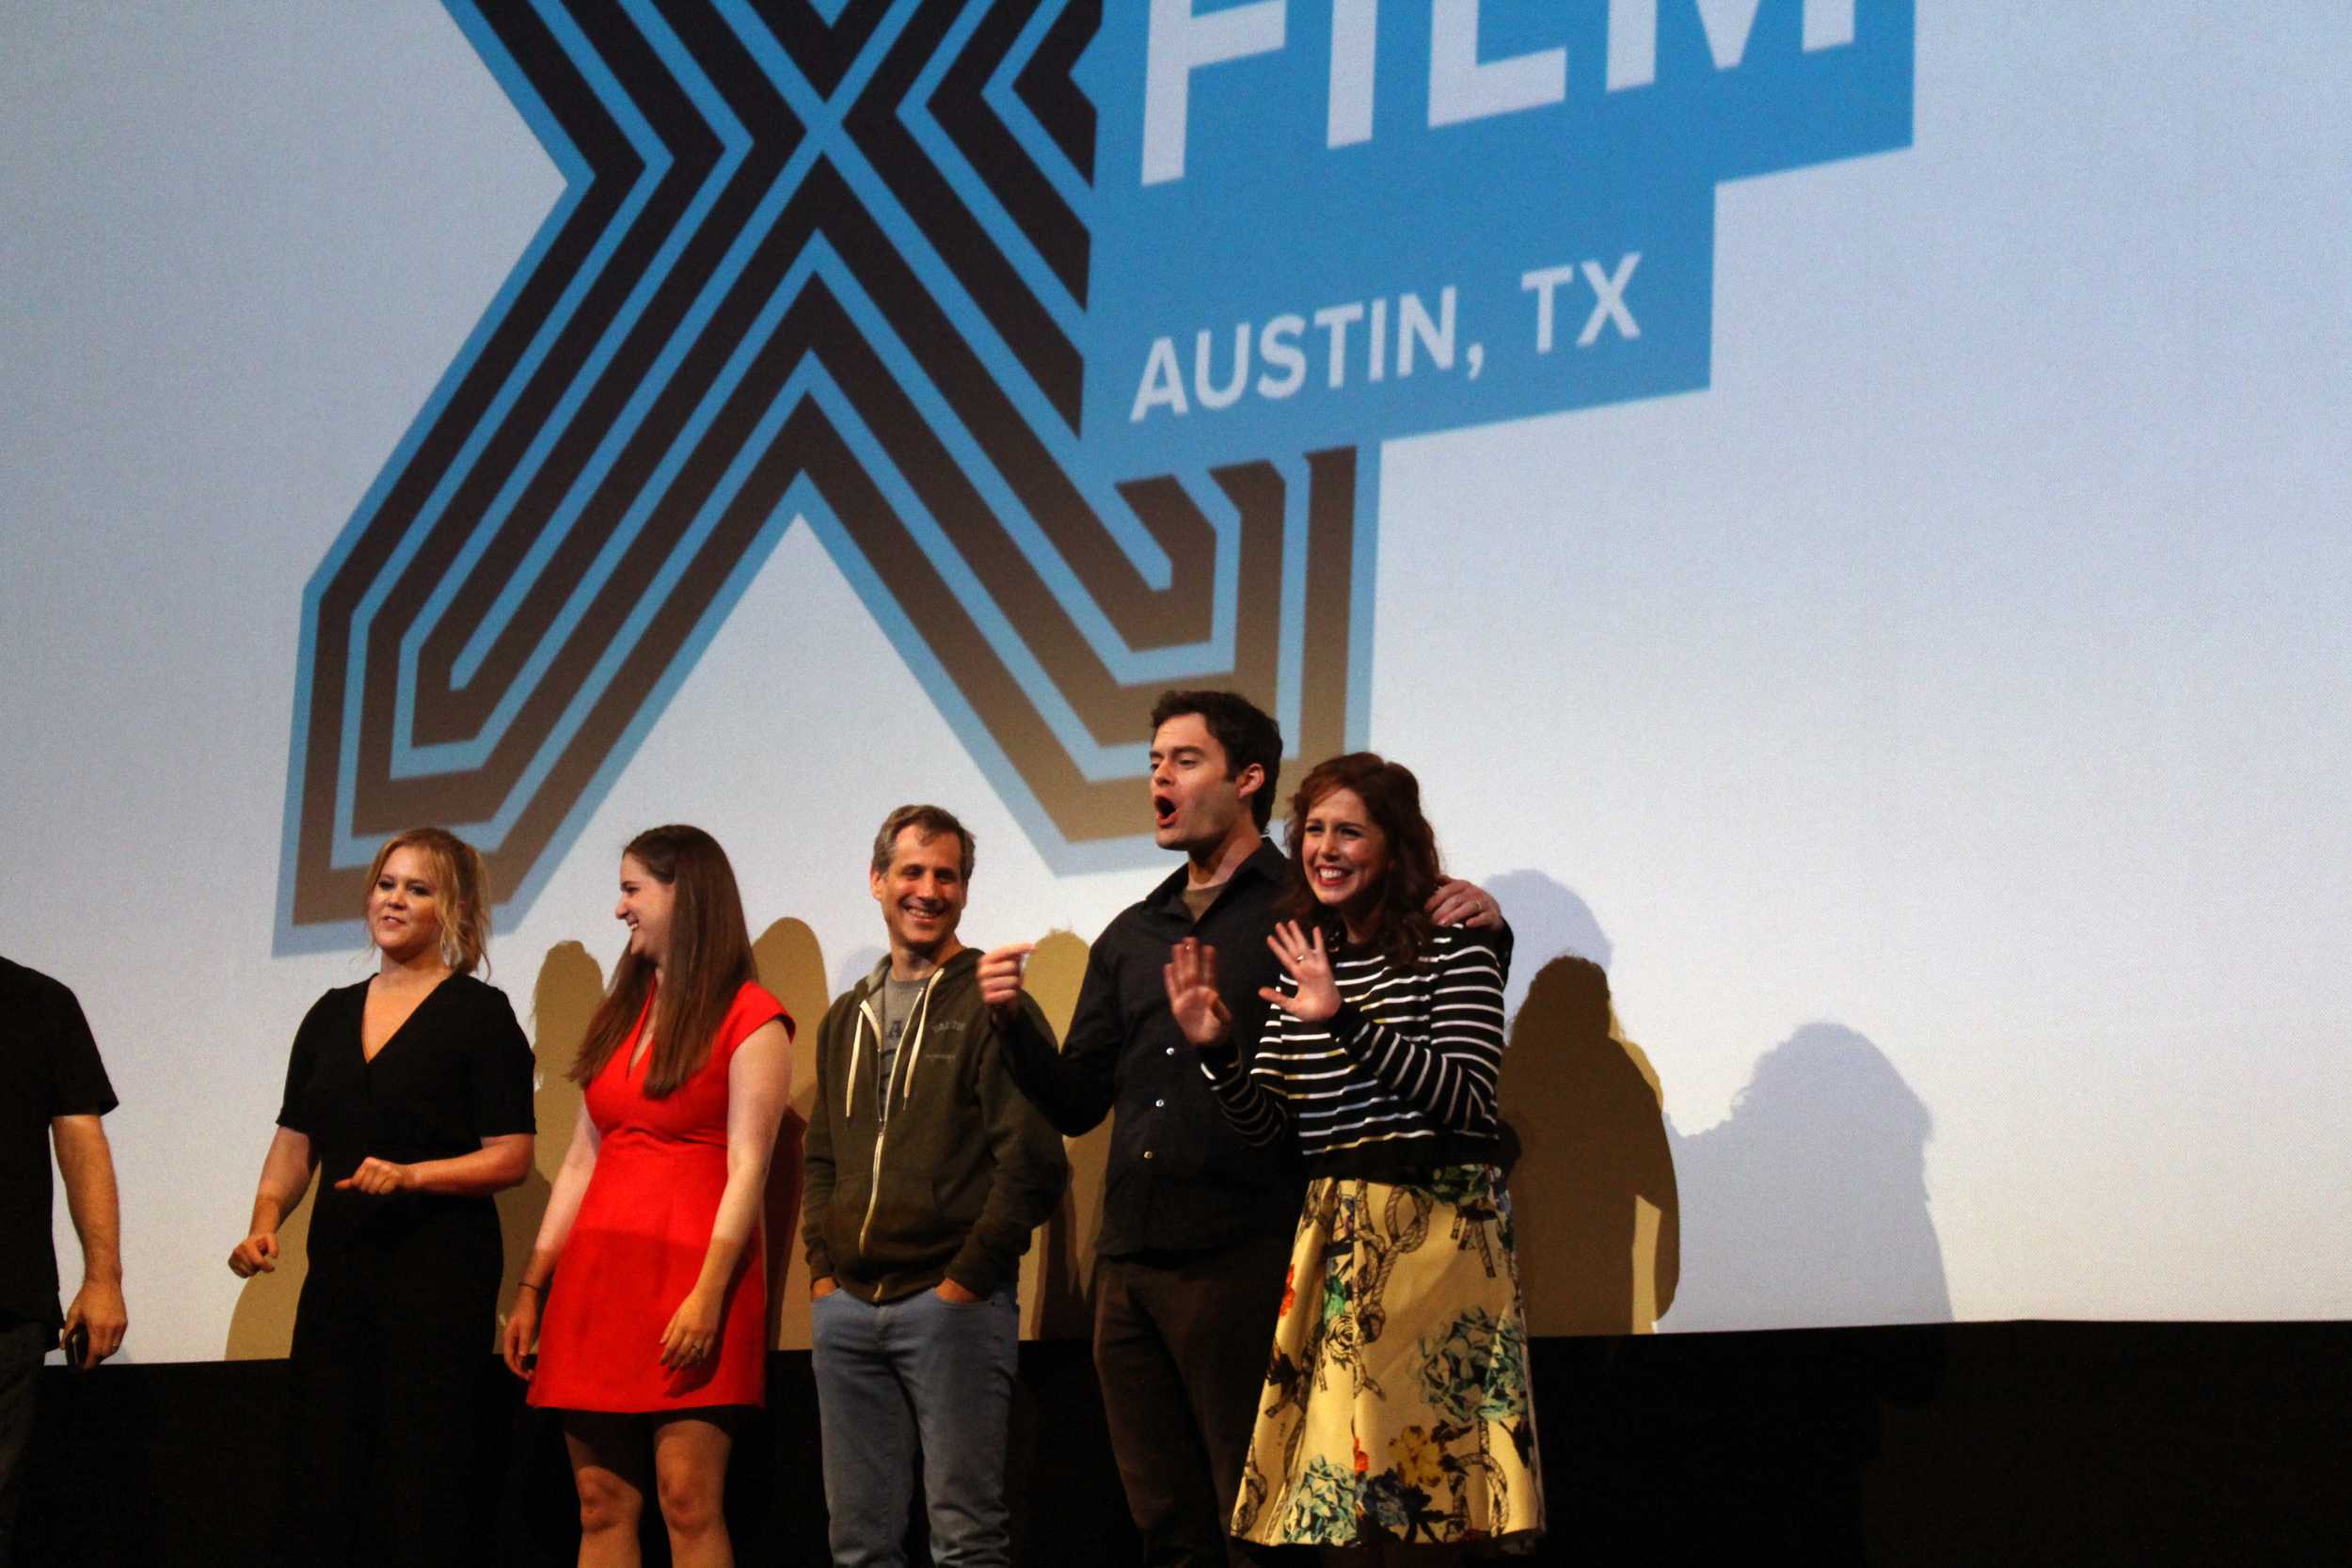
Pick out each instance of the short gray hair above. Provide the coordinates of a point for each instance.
(929, 822)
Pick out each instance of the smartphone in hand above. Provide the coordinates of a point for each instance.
(78, 1346)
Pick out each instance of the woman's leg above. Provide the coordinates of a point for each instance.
(609, 1468)
(690, 1465)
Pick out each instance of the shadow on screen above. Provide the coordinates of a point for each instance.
(261, 1325)
(792, 965)
(1547, 922)
(1808, 1206)
(563, 1000)
(1592, 1195)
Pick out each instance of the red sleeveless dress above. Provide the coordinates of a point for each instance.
(637, 1246)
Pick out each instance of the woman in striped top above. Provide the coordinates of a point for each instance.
(1397, 1405)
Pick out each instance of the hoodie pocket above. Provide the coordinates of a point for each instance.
(904, 1217)
(845, 1211)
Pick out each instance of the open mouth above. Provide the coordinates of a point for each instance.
(1163, 811)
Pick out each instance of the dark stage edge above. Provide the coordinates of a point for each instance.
(1980, 1443)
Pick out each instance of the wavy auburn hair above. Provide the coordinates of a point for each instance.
(1398, 923)
(461, 894)
(710, 959)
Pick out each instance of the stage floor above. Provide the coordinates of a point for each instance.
(1963, 1444)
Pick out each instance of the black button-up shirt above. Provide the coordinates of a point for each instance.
(1179, 1178)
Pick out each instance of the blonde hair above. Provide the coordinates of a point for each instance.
(461, 893)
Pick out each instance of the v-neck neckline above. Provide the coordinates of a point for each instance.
(368, 1061)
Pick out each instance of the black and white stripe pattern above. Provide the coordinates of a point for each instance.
(1409, 1054)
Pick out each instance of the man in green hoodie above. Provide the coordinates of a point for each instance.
(927, 1169)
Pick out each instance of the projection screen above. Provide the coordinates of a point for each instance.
(1842, 504)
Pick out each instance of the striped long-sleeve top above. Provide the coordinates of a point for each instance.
(1397, 1082)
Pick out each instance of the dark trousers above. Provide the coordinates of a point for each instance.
(1181, 1345)
(389, 1349)
(23, 1344)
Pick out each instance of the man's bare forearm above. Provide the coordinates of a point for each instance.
(87, 1167)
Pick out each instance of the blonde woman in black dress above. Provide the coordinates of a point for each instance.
(409, 1094)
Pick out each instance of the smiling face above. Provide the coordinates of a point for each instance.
(1344, 853)
(404, 907)
(1195, 805)
(921, 894)
(644, 909)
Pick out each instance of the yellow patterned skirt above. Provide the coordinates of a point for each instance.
(1396, 1404)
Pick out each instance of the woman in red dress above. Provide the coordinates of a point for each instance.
(646, 1287)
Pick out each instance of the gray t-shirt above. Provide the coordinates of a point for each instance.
(1198, 899)
(897, 1006)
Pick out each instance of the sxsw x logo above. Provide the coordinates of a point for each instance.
(813, 259)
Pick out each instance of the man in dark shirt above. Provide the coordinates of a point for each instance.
(1197, 1224)
(52, 1088)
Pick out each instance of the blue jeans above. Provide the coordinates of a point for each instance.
(920, 1368)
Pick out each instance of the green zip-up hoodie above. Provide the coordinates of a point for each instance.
(941, 1173)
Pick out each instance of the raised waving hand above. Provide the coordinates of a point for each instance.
(1191, 975)
(1301, 953)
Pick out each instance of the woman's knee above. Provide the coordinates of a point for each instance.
(691, 1498)
(607, 1503)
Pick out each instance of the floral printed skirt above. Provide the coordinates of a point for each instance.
(1396, 1404)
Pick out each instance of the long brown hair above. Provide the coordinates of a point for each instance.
(710, 959)
(1398, 923)
(461, 893)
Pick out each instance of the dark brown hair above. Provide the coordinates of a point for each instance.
(461, 893)
(1240, 728)
(1398, 923)
(709, 961)
(928, 822)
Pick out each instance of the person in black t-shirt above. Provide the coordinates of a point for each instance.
(1197, 1222)
(410, 1094)
(53, 1089)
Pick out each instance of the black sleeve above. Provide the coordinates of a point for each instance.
(1074, 1087)
(78, 1086)
(293, 1108)
(1032, 1167)
(502, 1068)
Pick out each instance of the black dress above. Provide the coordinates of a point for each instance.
(397, 1315)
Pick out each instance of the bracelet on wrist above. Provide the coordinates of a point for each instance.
(528, 1284)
